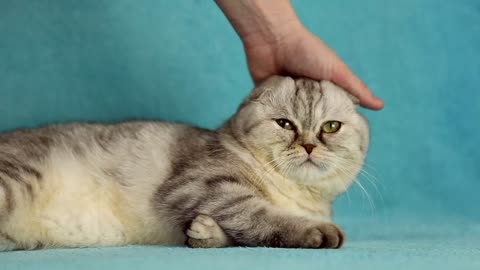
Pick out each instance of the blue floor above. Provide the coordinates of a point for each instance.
(428, 247)
(102, 60)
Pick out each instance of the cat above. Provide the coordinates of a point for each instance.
(267, 177)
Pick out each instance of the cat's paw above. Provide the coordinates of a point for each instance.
(324, 235)
(204, 232)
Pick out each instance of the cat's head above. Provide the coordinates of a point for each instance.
(306, 130)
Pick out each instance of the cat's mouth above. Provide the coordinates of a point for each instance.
(310, 162)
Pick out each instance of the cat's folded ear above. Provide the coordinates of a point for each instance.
(273, 83)
(354, 99)
(330, 85)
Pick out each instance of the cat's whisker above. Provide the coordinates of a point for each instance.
(369, 177)
(363, 171)
(344, 168)
(371, 180)
(369, 198)
(345, 186)
(276, 163)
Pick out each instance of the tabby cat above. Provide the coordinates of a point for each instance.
(267, 177)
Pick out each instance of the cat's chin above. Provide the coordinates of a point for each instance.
(309, 172)
(310, 164)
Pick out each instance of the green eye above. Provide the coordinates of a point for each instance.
(286, 124)
(331, 126)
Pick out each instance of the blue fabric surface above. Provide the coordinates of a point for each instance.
(181, 61)
(421, 254)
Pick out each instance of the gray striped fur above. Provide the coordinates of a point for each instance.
(249, 183)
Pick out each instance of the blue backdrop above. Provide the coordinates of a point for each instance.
(181, 61)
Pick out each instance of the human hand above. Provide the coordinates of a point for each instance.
(276, 42)
(298, 52)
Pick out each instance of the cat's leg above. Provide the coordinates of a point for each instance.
(204, 232)
(244, 217)
(249, 220)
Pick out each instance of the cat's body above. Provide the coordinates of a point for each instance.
(84, 185)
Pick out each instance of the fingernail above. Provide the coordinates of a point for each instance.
(379, 103)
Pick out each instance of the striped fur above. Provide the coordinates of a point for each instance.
(249, 183)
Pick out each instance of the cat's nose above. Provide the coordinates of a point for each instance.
(308, 147)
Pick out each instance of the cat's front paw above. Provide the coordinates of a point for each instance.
(204, 232)
(324, 235)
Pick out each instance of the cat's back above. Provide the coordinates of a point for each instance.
(87, 184)
(74, 133)
(90, 140)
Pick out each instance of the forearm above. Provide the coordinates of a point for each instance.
(260, 21)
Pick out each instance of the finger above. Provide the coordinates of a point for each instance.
(343, 77)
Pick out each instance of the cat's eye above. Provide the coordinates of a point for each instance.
(286, 124)
(331, 126)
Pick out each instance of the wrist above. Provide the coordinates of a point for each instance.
(272, 33)
(261, 22)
